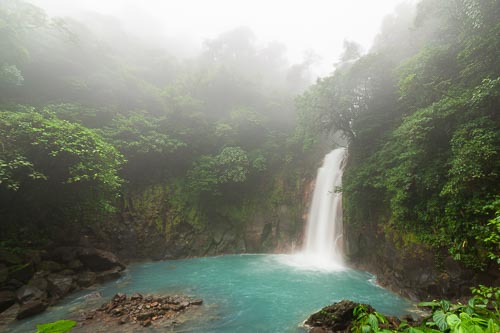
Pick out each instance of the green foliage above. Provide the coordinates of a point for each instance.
(34, 141)
(60, 326)
(366, 321)
(427, 164)
(230, 165)
(480, 315)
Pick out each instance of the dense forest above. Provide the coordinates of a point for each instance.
(112, 140)
(113, 143)
(420, 114)
(98, 127)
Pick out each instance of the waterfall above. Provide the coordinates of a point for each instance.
(323, 237)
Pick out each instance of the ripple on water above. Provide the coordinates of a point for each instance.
(242, 293)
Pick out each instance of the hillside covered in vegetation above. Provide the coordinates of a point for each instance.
(420, 113)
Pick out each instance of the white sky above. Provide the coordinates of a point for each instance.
(318, 25)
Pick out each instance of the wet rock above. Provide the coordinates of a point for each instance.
(8, 316)
(109, 275)
(99, 260)
(7, 298)
(145, 315)
(318, 330)
(39, 282)
(197, 302)
(146, 323)
(27, 292)
(136, 297)
(31, 308)
(86, 279)
(143, 310)
(59, 285)
(93, 296)
(118, 298)
(336, 317)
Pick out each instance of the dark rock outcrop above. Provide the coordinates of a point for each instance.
(59, 285)
(337, 317)
(99, 260)
(7, 298)
(409, 268)
(32, 307)
(52, 275)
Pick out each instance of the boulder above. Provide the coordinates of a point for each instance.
(99, 260)
(136, 297)
(7, 298)
(109, 275)
(39, 282)
(197, 302)
(335, 317)
(86, 279)
(27, 292)
(31, 308)
(8, 317)
(59, 285)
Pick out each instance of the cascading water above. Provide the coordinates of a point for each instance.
(323, 237)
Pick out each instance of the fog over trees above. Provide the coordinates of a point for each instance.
(109, 124)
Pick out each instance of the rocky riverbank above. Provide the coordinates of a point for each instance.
(138, 310)
(32, 281)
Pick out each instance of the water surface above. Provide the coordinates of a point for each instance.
(241, 293)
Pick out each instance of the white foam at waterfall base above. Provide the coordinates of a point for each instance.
(323, 241)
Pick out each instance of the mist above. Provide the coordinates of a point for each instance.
(316, 27)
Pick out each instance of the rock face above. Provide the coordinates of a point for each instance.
(98, 260)
(7, 298)
(411, 270)
(36, 284)
(265, 227)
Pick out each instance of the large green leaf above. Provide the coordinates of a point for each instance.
(454, 322)
(439, 318)
(373, 321)
(61, 326)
